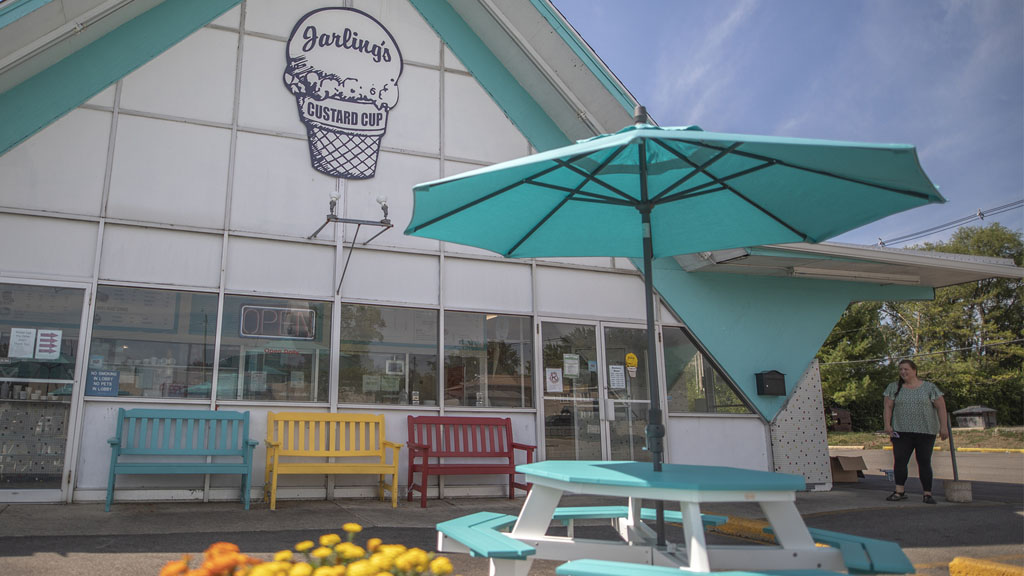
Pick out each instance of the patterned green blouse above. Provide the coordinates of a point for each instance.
(913, 410)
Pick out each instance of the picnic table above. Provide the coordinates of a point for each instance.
(511, 553)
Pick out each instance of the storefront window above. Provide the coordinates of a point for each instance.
(388, 356)
(274, 350)
(152, 343)
(487, 360)
(693, 383)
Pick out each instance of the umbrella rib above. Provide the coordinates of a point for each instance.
(592, 176)
(469, 205)
(920, 195)
(536, 226)
(721, 182)
(699, 190)
(591, 197)
(721, 154)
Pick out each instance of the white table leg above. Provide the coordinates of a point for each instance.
(693, 529)
(537, 511)
(509, 567)
(789, 527)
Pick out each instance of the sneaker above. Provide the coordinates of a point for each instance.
(895, 496)
(928, 499)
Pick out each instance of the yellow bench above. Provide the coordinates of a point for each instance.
(310, 443)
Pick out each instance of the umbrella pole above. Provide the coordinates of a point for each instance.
(655, 428)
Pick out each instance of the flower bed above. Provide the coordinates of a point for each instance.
(330, 556)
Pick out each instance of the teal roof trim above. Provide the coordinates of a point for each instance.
(752, 324)
(35, 103)
(15, 9)
(586, 54)
(538, 128)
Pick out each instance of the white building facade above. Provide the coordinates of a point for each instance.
(157, 237)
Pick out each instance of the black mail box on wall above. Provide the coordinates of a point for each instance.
(771, 383)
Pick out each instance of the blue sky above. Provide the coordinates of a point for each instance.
(944, 75)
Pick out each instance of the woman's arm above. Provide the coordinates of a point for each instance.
(887, 415)
(940, 405)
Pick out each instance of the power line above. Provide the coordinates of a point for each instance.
(889, 359)
(979, 215)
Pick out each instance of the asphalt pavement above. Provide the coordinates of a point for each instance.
(139, 538)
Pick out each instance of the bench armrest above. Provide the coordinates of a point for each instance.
(273, 444)
(528, 448)
(114, 441)
(390, 444)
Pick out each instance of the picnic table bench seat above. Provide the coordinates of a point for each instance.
(435, 440)
(568, 514)
(864, 555)
(588, 567)
(481, 534)
(157, 442)
(329, 443)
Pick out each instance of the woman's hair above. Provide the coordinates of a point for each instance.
(899, 385)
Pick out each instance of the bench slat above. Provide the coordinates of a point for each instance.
(568, 513)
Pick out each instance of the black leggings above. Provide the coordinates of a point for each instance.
(921, 445)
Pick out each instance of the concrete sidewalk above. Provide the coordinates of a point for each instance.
(47, 539)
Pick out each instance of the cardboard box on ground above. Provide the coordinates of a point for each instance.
(847, 468)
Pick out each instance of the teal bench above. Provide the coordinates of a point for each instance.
(181, 442)
(567, 514)
(864, 555)
(608, 568)
(481, 534)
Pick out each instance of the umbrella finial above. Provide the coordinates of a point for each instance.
(640, 115)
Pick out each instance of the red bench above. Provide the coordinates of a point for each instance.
(432, 438)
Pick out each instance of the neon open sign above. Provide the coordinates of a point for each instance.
(269, 322)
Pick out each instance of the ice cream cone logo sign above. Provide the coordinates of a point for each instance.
(343, 69)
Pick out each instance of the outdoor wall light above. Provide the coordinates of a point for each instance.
(332, 217)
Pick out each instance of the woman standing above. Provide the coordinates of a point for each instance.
(914, 413)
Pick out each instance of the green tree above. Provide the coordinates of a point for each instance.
(851, 375)
(969, 340)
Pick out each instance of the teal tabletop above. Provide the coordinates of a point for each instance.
(673, 476)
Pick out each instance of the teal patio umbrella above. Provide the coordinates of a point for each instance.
(650, 192)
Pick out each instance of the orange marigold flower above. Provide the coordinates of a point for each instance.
(218, 548)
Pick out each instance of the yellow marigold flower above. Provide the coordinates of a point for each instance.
(383, 562)
(349, 551)
(175, 567)
(329, 540)
(321, 553)
(304, 546)
(393, 550)
(352, 528)
(324, 571)
(441, 566)
(301, 569)
(373, 543)
(361, 568)
(283, 556)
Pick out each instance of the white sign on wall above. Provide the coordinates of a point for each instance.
(23, 341)
(343, 68)
(48, 344)
(553, 379)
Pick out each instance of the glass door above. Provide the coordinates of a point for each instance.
(571, 392)
(40, 329)
(626, 393)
